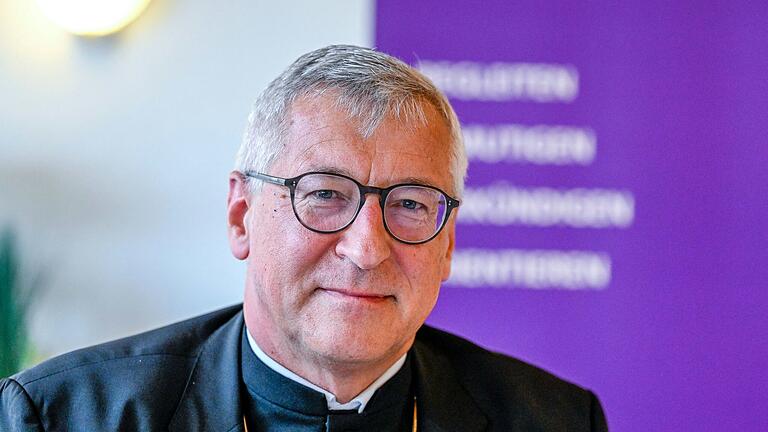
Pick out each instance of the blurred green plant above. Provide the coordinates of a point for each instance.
(14, 305)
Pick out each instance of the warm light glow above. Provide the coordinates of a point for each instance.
(92, 17)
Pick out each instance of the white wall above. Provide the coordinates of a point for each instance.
(114, 153)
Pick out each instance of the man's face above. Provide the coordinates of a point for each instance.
(356, 296)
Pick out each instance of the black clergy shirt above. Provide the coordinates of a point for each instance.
(272, 402)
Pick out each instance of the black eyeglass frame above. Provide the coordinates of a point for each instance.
(291, 183)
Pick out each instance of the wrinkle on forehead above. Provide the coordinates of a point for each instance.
(307, 163)
(305, 155)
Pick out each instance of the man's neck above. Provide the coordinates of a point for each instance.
(344, 381)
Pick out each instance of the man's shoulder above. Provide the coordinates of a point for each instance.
(467, 356)
(144, 374)
(505, 386)
(181, 340)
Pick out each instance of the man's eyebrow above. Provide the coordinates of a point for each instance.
(331, 170)
(417, 180)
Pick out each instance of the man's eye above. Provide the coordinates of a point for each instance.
(325, 194)
(411, 204)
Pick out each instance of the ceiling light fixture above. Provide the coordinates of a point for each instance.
(92, 17)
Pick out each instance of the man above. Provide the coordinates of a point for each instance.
(343, 204)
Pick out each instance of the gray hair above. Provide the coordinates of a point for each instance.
(367, 84)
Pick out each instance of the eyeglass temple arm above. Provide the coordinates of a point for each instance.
(267, 178)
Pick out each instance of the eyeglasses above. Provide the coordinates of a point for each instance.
(328, 203)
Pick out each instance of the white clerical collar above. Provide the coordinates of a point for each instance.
(357, 403)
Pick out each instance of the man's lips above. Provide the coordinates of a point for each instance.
(357, 295)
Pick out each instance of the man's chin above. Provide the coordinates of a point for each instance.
(359, 347)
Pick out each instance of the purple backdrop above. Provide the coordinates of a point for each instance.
(613, 230)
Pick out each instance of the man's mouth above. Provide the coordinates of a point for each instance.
(362, 296)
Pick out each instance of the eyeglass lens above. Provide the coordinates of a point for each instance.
(328, 203)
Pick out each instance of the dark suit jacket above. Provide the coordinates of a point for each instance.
(186, 377)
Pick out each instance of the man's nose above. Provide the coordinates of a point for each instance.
(366, 242)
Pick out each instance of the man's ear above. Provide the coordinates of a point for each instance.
(451, 227)
(237, 209)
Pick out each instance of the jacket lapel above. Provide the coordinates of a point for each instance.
(443, 404)
(211, 400)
